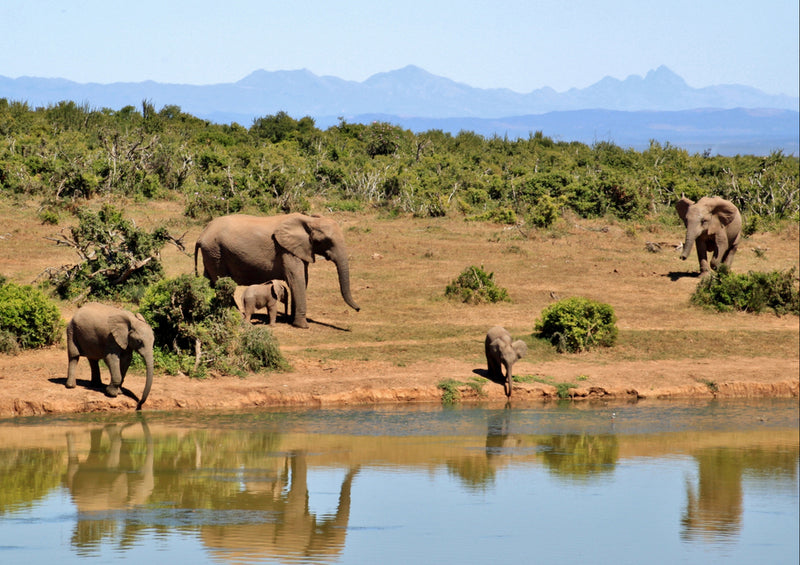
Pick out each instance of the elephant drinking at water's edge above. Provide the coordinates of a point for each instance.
(253, 250)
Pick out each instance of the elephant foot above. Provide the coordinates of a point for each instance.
(303, 324)
(112, 391)
(70, 384)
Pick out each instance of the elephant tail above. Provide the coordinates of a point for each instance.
(196, 249)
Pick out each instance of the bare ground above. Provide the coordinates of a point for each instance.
(407, 338)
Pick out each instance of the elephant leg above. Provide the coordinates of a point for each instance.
(125, 359)
(273, 313)
(297, 279)
(702, 255)
(71, 366)
(97, 380)
(113, 389)
(727, 259)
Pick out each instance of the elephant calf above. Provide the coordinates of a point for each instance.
(98, 331)
(267, 295)
(502, 352)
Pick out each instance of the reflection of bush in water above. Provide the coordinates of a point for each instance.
(27, 475)
(580, 456)
(475, 472)
(714, 507)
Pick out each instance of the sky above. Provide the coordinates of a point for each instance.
(521, 45)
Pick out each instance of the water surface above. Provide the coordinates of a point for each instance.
(672, 482)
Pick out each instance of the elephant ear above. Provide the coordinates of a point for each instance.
(682, 206)
(725, 211)
(120, 330)
(293, 236)
(277, 291)
(520, 348)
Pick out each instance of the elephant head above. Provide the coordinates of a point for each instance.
(131, 332)
(712, 223)
(307, 236)
(501, 352)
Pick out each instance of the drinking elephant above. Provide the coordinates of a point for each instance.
(98, 331)
(253, 249)
(266, 295)
(502, 352)
(712, 224)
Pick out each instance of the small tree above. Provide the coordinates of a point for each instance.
(116, 257)
(475, 286)
(578, 324)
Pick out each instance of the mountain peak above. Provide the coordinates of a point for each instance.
(663, 75)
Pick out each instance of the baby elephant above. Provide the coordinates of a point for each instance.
(267, 295)
(502, 352)
(98, 331)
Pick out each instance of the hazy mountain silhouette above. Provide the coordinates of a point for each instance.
(413, 95)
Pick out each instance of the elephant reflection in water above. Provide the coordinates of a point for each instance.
(290, 530)
(478, 471)
(108, 480)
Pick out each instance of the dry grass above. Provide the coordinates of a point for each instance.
(400, 267)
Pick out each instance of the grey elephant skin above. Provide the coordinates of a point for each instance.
(502, 351)
(98, 331)
(712, 224)
(254, 249)
(267, 295)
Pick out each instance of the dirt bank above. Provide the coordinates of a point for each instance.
(33, 383)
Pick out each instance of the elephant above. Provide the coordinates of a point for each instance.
(713, 224)
(502, 352)
(267, 295)
(98, 331)
(254, 249)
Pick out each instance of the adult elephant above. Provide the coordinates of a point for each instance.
(712, 224)
(98, 331)
(253, 249)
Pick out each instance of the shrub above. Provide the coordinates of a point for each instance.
(28, 315)
(578, 324)
(754, 292)
(197, 329)
(475, 286)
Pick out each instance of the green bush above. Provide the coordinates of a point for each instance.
(755, 291)
(27, 314)
(578, 324)
(197, 329)
(475, 286)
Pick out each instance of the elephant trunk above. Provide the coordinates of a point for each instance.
(148, 361)
(691, 235)
(343, 269)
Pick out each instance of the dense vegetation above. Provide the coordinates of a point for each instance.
(67, 152)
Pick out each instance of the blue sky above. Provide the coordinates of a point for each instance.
(518, 44)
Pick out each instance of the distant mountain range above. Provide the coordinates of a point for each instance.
(630, 112)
